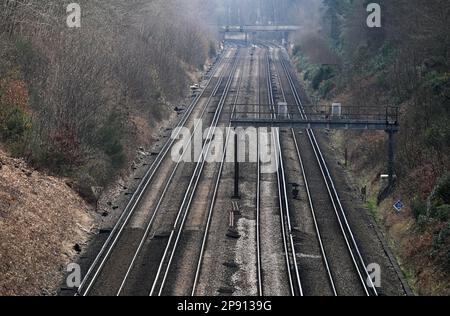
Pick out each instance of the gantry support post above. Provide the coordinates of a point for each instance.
(391, 157)
(236, 168)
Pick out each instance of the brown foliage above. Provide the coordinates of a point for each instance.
(64, 148)
(128, 57)
(15, 94)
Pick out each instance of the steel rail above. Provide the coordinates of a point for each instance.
(295, 282)
(258, 195)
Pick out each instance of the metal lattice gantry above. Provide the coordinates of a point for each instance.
(335, 116)
(317, 117)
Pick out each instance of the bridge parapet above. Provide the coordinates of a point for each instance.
(257, 28)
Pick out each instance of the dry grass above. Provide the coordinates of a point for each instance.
(41, 219)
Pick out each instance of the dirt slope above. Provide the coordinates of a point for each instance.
(41, 220)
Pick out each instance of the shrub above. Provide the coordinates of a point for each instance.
(326, 87)
(441, 238)
(297, 50)
(422, 222)
(33, 148)
(438, 137)
(109, 140)
(322, 74)
(441, 213)
(97, 172)
(441, 194)
(84, 184)
(382, 80)
(438, 83)
(419, 208)
(212, 50)
(316, 79)
(99, 168)
(65, 150)
(380, 61)
(307, 75)
(14, 120)
(26, 56)
(13, 124)
(436, 208)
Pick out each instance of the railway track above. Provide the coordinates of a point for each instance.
(214, 198)
(315, 167)
(321, 249)
(171, 248)
(241, 215)
(150, 250)
(135, 210)
(292, 269)
(266, 255)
